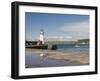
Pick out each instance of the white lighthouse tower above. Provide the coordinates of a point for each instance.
(41, 37)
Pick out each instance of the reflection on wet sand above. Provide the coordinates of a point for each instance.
(53, 58)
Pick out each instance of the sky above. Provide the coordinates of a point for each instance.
(67, 26)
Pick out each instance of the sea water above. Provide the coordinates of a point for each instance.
(73, 48)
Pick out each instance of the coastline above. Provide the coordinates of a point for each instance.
(75, 58)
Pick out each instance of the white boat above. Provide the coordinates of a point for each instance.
(76, 46)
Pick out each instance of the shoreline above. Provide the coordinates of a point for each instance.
(80, 58)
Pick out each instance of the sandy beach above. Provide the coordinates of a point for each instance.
(68, 58)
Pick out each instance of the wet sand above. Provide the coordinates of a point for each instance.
(69, 58)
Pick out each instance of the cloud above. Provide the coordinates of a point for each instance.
(79, 29)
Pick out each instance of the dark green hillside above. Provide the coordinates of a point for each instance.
(84, 41)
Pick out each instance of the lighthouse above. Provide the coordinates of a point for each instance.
(41, 36)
